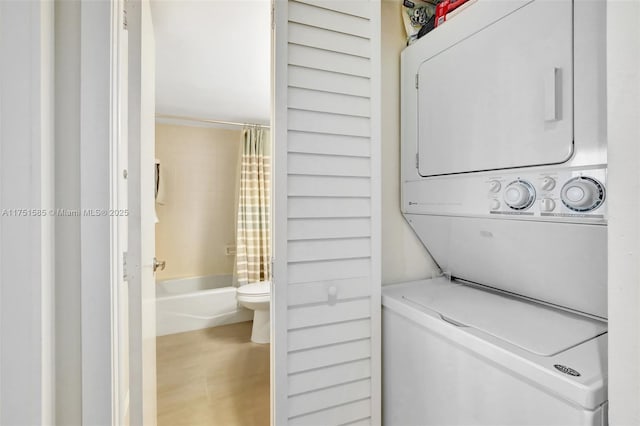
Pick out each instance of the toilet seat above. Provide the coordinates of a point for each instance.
(259, 288)
(255, 292)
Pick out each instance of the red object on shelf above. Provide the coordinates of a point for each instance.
(445, 7)
(441, 12)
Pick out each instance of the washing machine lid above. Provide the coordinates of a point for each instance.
(534, 327)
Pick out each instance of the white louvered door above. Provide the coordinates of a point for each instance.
(326, 300)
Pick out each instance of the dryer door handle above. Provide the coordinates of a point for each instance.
(552, 94)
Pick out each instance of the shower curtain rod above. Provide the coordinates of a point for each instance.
(206, 120)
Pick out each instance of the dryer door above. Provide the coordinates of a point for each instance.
(502, 97)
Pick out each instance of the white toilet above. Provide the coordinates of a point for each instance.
(256, 296)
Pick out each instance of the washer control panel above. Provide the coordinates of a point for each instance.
(575, 194)
(582, 194)
(563, 193)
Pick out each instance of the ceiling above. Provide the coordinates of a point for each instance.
(213, 59)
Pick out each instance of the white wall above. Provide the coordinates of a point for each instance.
(26, 239)
(200, 173)
(404, 258)
(623, 69)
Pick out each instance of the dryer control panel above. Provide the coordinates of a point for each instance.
(554, 194)
(563, 193)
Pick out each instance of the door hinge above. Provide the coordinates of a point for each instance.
(272, 273)
(417, 161)
(125, 272)
(417, 81)
(125, 25)
(273, 15)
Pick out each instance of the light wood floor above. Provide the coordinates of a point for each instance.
(215, 376)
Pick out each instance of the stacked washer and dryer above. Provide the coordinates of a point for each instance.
(504, 173)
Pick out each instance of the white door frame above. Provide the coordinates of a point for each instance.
(278, 355)
(26, 222)
(102, 149)
(142, 317)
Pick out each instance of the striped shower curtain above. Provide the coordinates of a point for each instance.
(253, 231)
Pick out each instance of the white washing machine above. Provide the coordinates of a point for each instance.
(459, 355)
(504, 174)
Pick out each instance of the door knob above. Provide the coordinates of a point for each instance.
(159, 264)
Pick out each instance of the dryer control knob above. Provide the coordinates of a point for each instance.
(582, 194)
(519, 195)
(548, 183)
(494, 185)
(547, 205)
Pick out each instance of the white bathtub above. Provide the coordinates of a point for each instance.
(187, 304)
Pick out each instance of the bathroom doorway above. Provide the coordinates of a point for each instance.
(213, 335)
(212, 206)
